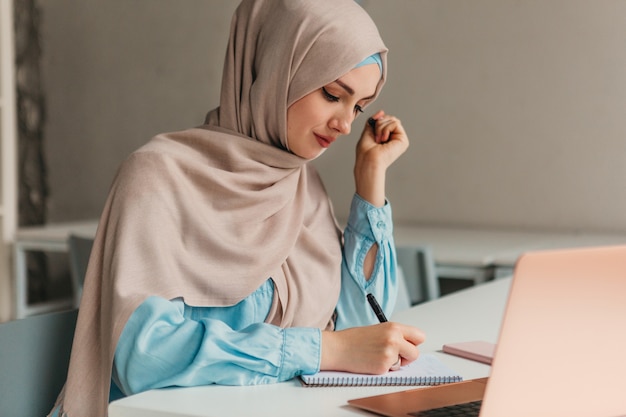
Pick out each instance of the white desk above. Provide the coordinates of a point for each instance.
(482, 254)
(462, 252)
(549, 241)
(471, 314)
(48, 238)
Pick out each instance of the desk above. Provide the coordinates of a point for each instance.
(483, 254)
(463, 253)
(48, 238)
(504, 260)
(474, 313)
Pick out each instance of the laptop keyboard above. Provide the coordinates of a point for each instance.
(470, 409)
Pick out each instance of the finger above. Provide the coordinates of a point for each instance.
(414, 335)
(408, 350)
(386, 127)
(396, 365)
(411, 334)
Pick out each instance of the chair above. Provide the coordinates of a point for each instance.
(34, 358)
(417, 266)
(404, 300)
(79, 251)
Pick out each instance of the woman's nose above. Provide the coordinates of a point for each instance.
(342, 123)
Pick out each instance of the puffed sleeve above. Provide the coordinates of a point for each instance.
(367, 225)
(162, 346)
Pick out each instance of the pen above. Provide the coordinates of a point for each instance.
(376, 307)
(381, 318)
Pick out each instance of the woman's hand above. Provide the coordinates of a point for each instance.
(379, 146)
(370, 349)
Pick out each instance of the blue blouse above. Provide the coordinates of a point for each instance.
(168, 343)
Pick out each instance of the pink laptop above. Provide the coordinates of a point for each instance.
(561, 350)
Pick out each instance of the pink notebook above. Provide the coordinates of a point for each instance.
(478, 350)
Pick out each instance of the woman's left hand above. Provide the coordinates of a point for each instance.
(379, 146)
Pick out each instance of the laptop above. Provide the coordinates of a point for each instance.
(561, 349)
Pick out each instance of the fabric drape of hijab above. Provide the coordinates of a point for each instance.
(210, 213)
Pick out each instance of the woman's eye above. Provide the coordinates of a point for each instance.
(329, 96)
(357, 108)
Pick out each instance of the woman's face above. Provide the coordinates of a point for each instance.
(316, 120)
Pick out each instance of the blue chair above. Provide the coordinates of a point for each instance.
(34, 358)
(79, 251)
(417, 266)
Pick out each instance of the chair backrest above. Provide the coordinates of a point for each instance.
(404, 300)
(34, 357)
(79, 251)
(418, 268)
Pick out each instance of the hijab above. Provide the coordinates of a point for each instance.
(210, 213)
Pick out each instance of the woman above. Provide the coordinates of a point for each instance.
(217, 258)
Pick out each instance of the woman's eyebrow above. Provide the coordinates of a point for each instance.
(349, 89)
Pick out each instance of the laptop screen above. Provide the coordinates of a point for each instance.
(562, 346)
(561, 349)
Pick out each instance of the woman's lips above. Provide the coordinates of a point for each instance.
(324, 141)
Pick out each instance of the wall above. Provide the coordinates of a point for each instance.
(514, 107)
(118, 72)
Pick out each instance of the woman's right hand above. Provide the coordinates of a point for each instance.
(370, 349)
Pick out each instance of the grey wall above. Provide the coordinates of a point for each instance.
(118, 72)
(515, 108)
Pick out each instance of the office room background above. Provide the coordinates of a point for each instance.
(516, 109)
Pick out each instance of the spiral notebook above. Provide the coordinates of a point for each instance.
(426, 370)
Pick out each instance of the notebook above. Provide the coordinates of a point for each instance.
(477, 350)
(562, 344)
(426, 370)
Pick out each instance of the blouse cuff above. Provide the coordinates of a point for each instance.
(301, 352)
(370, 221)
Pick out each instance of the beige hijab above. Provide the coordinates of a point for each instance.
(210, 213)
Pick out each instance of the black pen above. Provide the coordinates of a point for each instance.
(376, 307)
(381, 318)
